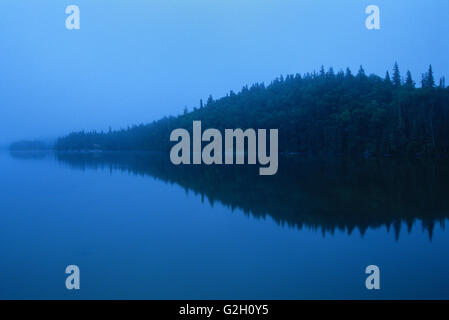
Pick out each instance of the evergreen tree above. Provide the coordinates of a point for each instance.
(387, 79)
(424, 78)
(409, 83)
(396, 75)
(210, 100)
(361, 74)
(322, 72)
(348, 73)
(430, 80)
(340, 75)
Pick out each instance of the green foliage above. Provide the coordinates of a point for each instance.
(428, 80)
(387, 79)
(409, 83)
(315, 113)
(396, 75)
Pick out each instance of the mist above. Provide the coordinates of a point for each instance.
(133, 62)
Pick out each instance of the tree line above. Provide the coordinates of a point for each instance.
(323, 112)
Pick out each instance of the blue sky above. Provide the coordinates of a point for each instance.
(136, 61)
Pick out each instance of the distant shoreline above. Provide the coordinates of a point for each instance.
(283, 154)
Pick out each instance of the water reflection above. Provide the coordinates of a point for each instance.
(326, 194)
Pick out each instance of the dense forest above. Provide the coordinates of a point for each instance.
(321, 112)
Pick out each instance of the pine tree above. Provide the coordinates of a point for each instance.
(396, 75)
(210, 100)
(430, 80)
(340, 75)
(424, 83)
(201, 103)
(348, 72)
(409, 83)
(387, 79)
(322, 72)
(361, 73)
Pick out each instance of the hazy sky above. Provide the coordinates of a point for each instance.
(136, 61)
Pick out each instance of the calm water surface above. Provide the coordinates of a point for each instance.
(140, 228)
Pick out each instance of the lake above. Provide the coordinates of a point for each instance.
(140, 228)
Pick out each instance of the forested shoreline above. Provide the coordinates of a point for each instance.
(321, 112)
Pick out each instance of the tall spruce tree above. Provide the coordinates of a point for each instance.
(424, 83)
(348, 73)
(210, 100)
(430, 79)
(387, 79)
(322, 72)
(396, 75)
(409, 83)
(361, 74)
